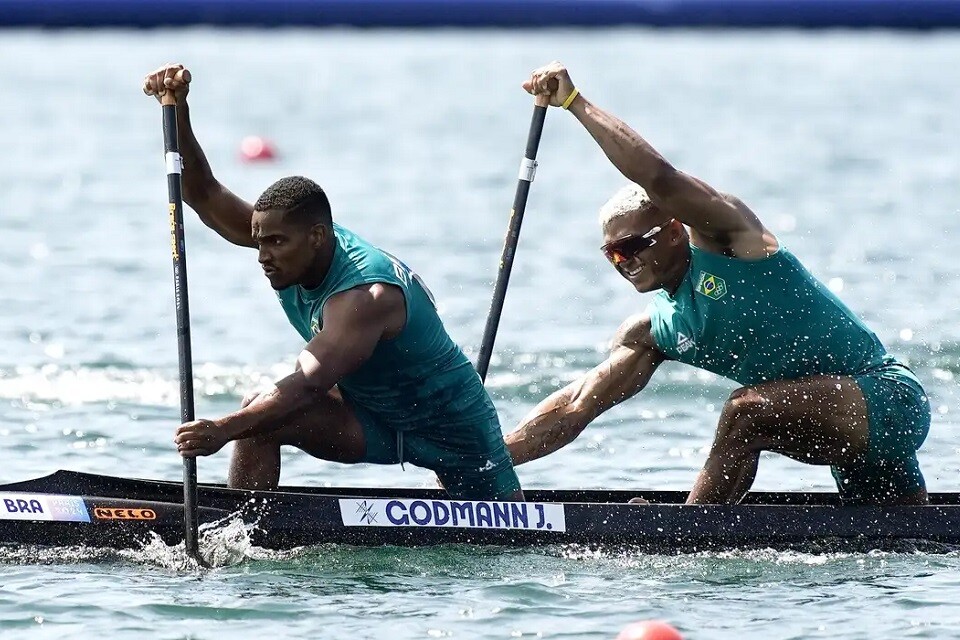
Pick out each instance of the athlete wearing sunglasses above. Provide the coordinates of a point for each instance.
(631, 253)
(631, 246)
(818, 386)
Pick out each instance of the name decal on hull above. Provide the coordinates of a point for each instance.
(41, 507)
(456, 514)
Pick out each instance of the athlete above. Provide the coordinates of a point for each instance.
(818, 386)
(379, 380)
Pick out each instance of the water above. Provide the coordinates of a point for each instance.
(843, 143)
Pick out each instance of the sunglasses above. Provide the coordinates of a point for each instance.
(623, 249)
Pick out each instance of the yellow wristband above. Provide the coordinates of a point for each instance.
(570, 98)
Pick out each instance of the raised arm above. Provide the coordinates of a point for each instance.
(559, 419)
(216, 205)
(718, 221)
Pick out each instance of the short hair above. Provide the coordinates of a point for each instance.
(626, 200)
(297, 197)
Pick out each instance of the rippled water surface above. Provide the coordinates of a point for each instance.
(845, 145)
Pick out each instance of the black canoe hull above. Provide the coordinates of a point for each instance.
(123, 513)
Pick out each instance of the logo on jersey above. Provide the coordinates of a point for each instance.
(684, 343)
(711, 286)
(314, 326)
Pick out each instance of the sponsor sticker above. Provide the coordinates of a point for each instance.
(123, 513)
(173, 231)
(455, 514)
(31, 506)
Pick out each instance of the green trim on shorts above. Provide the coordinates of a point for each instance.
(898, 413)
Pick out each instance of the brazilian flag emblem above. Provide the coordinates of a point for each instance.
(711, 286)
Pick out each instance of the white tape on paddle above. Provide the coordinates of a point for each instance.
(174, 163)
(528, 169)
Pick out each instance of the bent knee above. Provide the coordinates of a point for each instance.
(746, 405)
(744, 416)
(253, 397)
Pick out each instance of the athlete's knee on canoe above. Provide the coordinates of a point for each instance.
(500, 482)
(823, 412)
(472, 462)
(899, 420)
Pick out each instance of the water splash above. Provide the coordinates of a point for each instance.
(223, 544)
(810, 554)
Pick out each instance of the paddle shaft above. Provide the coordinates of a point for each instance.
(527, 172)
(171, 147)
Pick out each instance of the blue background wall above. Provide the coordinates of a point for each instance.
(907, 14)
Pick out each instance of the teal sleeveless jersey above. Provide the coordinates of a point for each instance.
(420, 378)
(759, 320)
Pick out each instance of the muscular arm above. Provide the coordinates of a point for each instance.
(216, 205)
(719, 222)
(353, 323)
(559, 419)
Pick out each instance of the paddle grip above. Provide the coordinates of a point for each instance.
(169, 97)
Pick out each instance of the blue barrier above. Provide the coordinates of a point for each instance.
(896, 14)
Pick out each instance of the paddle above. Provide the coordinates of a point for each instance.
(528, 168)
(171, 149)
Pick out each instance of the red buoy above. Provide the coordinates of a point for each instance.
(649, 630)
(257, 149)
